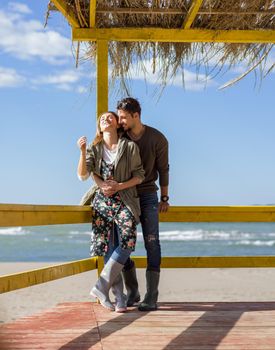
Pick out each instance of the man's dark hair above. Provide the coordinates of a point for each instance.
(129, 104)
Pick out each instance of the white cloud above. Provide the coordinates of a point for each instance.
(66, 80)
(10, 78)
(19, 7)
(27, 39)
(65, 77)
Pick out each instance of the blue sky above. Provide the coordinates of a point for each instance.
(222, 143)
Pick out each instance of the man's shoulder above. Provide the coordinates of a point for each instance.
(155, 133)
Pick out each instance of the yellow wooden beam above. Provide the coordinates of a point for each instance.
(25, 279)
(102, 76)
(31, 278)
(32, 215)
(92, 13)
(62, 6)
(191, 14)
(220, 214)
(174, 35)
(209, 261)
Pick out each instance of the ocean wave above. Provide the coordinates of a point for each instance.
(255, 243)
(75, 233)
(200, 234)
(13, 231)
(197, 235)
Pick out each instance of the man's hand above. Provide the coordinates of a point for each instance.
(163, 207)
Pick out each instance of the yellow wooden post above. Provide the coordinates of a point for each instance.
(100, 265)
(102, 76)
(92, 13)
(193, 11)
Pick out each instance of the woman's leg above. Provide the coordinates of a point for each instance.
(105, 281)
(113, 242)
(101, 226)
(111, 275)
(119, 255)
(126, 231)
(117, 287)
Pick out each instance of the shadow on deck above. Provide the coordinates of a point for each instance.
(188, 326)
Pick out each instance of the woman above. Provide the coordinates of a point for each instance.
(115, 165)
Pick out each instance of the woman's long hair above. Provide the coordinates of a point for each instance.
(99, 134)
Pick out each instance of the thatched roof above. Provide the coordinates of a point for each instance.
(168, 58)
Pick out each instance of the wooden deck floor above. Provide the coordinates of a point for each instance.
(188, 326)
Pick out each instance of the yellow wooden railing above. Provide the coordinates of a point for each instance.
(31, 215)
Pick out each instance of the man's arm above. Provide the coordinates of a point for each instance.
(164, 198)
(163, 170)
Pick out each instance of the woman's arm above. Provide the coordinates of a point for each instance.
(136, 171)
(86, 162)
(130, 183)
(82, 167)
(113, 186)
(109, 187)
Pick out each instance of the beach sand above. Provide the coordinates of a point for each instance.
(185, 285)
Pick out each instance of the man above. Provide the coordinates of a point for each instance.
(153, 148)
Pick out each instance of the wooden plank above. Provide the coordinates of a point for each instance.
(72, 325)
(195, 326)
(218, 262)
(210, 262)
(32, 215)
(62, 6)
(30, 278)
(192, 13)
(220, 214)
(174, 35)
(178, 11)
(102, 76)
(92, 13)
(100, 265)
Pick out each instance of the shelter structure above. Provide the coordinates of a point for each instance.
(170, 33)
(164, 30)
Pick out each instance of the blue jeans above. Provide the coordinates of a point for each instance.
(150, 228)
(114, 250)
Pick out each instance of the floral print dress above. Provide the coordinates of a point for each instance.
(106, 212)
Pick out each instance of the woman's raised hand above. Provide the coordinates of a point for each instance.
(82, 143)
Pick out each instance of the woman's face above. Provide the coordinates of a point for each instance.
(107, 122)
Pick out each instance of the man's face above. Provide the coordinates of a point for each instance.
(126, 119)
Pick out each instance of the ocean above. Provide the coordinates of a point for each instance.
(71, 242)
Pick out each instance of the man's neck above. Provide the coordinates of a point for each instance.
(136, 132)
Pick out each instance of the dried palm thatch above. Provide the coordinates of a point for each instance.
(168, 59)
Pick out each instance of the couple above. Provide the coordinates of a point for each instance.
(125, 159)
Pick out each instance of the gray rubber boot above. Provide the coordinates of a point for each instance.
(131, 284)
(150, 300)
(107, 277)
(120, 297)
